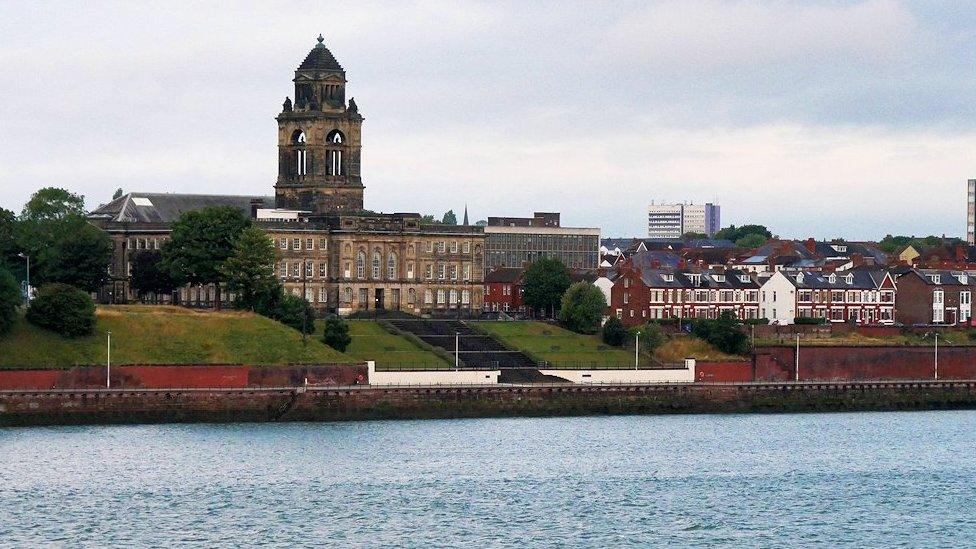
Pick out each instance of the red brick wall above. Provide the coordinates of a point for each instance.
(723, 371)
(843, 363)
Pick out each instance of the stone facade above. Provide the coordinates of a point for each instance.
(338, 256)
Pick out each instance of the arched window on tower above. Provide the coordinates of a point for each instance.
(299, 140)
(391, 266)
(335, 141)
(376, 264)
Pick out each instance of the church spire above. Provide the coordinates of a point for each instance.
(465, 215)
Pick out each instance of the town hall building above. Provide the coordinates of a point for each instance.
(339, 256)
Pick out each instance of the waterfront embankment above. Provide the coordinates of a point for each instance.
(87, 406)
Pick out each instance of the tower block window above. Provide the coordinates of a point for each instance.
(335, 139)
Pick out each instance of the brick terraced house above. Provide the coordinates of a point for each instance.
(930, 296)
(640, 294)
(862, 296)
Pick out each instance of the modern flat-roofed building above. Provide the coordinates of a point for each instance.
(516, 241)
(675, 220)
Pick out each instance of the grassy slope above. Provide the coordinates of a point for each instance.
(562, 347)
(166, 335)
(371, 342)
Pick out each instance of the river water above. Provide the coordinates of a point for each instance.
(866, 479)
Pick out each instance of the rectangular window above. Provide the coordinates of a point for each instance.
(323, 269)
(309, 243)
(430, 246)
(364, 297)
(467, 272)
(440, 247)
(296, 243)
(295, 270)
(428, 272)
(453, 272)
(323, 244)
(308, 269)
(283, 243)
(323, 295)
(454, 247)
(467, 247)
(441, 297)
(442, 272)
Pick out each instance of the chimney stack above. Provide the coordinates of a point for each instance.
(811, 245)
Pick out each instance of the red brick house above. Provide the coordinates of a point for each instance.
(929, 296)
(503, 290)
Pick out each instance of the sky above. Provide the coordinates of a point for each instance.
(819, 118)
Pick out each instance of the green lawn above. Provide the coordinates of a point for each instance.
(370, 341)
(563, 348)
(166, 335)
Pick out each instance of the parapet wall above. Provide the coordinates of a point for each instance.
(848, 363)
(185, 376)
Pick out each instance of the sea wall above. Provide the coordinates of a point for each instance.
(185, 376)
(363, 403)
(677, 375)
(846, 363)
(431, 377)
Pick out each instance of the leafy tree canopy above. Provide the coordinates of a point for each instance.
(544, 283)
(201, 241)
(735, 234)
(724, 333)
(336, 334)
(250, 270)
(481, 223)
(449, 218)
(613, 332)
(53, 203)
(63, 309)
(583, 305)
(751, 241)
(149, 273)
(9, 301)
(694, 236)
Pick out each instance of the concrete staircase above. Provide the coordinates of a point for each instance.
(476, 350)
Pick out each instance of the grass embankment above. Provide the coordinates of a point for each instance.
(144, 334)
(376, 341)
(563, 348)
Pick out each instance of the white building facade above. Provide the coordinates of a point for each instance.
(672, 221)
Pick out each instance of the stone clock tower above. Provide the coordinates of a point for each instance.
(319, 140)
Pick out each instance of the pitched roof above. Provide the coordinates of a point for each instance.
(167, 208)
(861, 279)
(320, 58)
(503, 275)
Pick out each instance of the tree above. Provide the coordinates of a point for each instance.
(8, 240)
(429, 220)
(294, 311)
(651, 336)
(336, 334)
(200, 242)
(150, 275)
(79, 257)
(449, 218)
(117, 194)
(250, 271)
(63, 309)
(694, 236)
(53, 203)
(481, 223)
(9, 301)
(544, 283)
(735, 234)
(724, 333)
(583, 305)
(613, 332)
(751, 241)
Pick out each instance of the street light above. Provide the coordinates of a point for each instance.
(27, 257)
(637, 352)
(108, 363)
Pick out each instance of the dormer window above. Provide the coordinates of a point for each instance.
(799, 278)
(963, 278)
(849, 279)
(744, 279)
(936, 279)
(719, 278)
(695, 279)
(668, 277)
(832, 278)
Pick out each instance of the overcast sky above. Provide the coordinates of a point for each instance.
(815, 118)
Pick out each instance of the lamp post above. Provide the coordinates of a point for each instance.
(797, 354)
(637, 352)
(27, 257)
(108, 363)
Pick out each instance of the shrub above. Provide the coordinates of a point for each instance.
(288, 309)
(582, 308)
(651, 336)
(614, 333)
(723, 333)
(9, 300)
(809, 320)
(756, 321)
(336, 334)
(63, 309)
